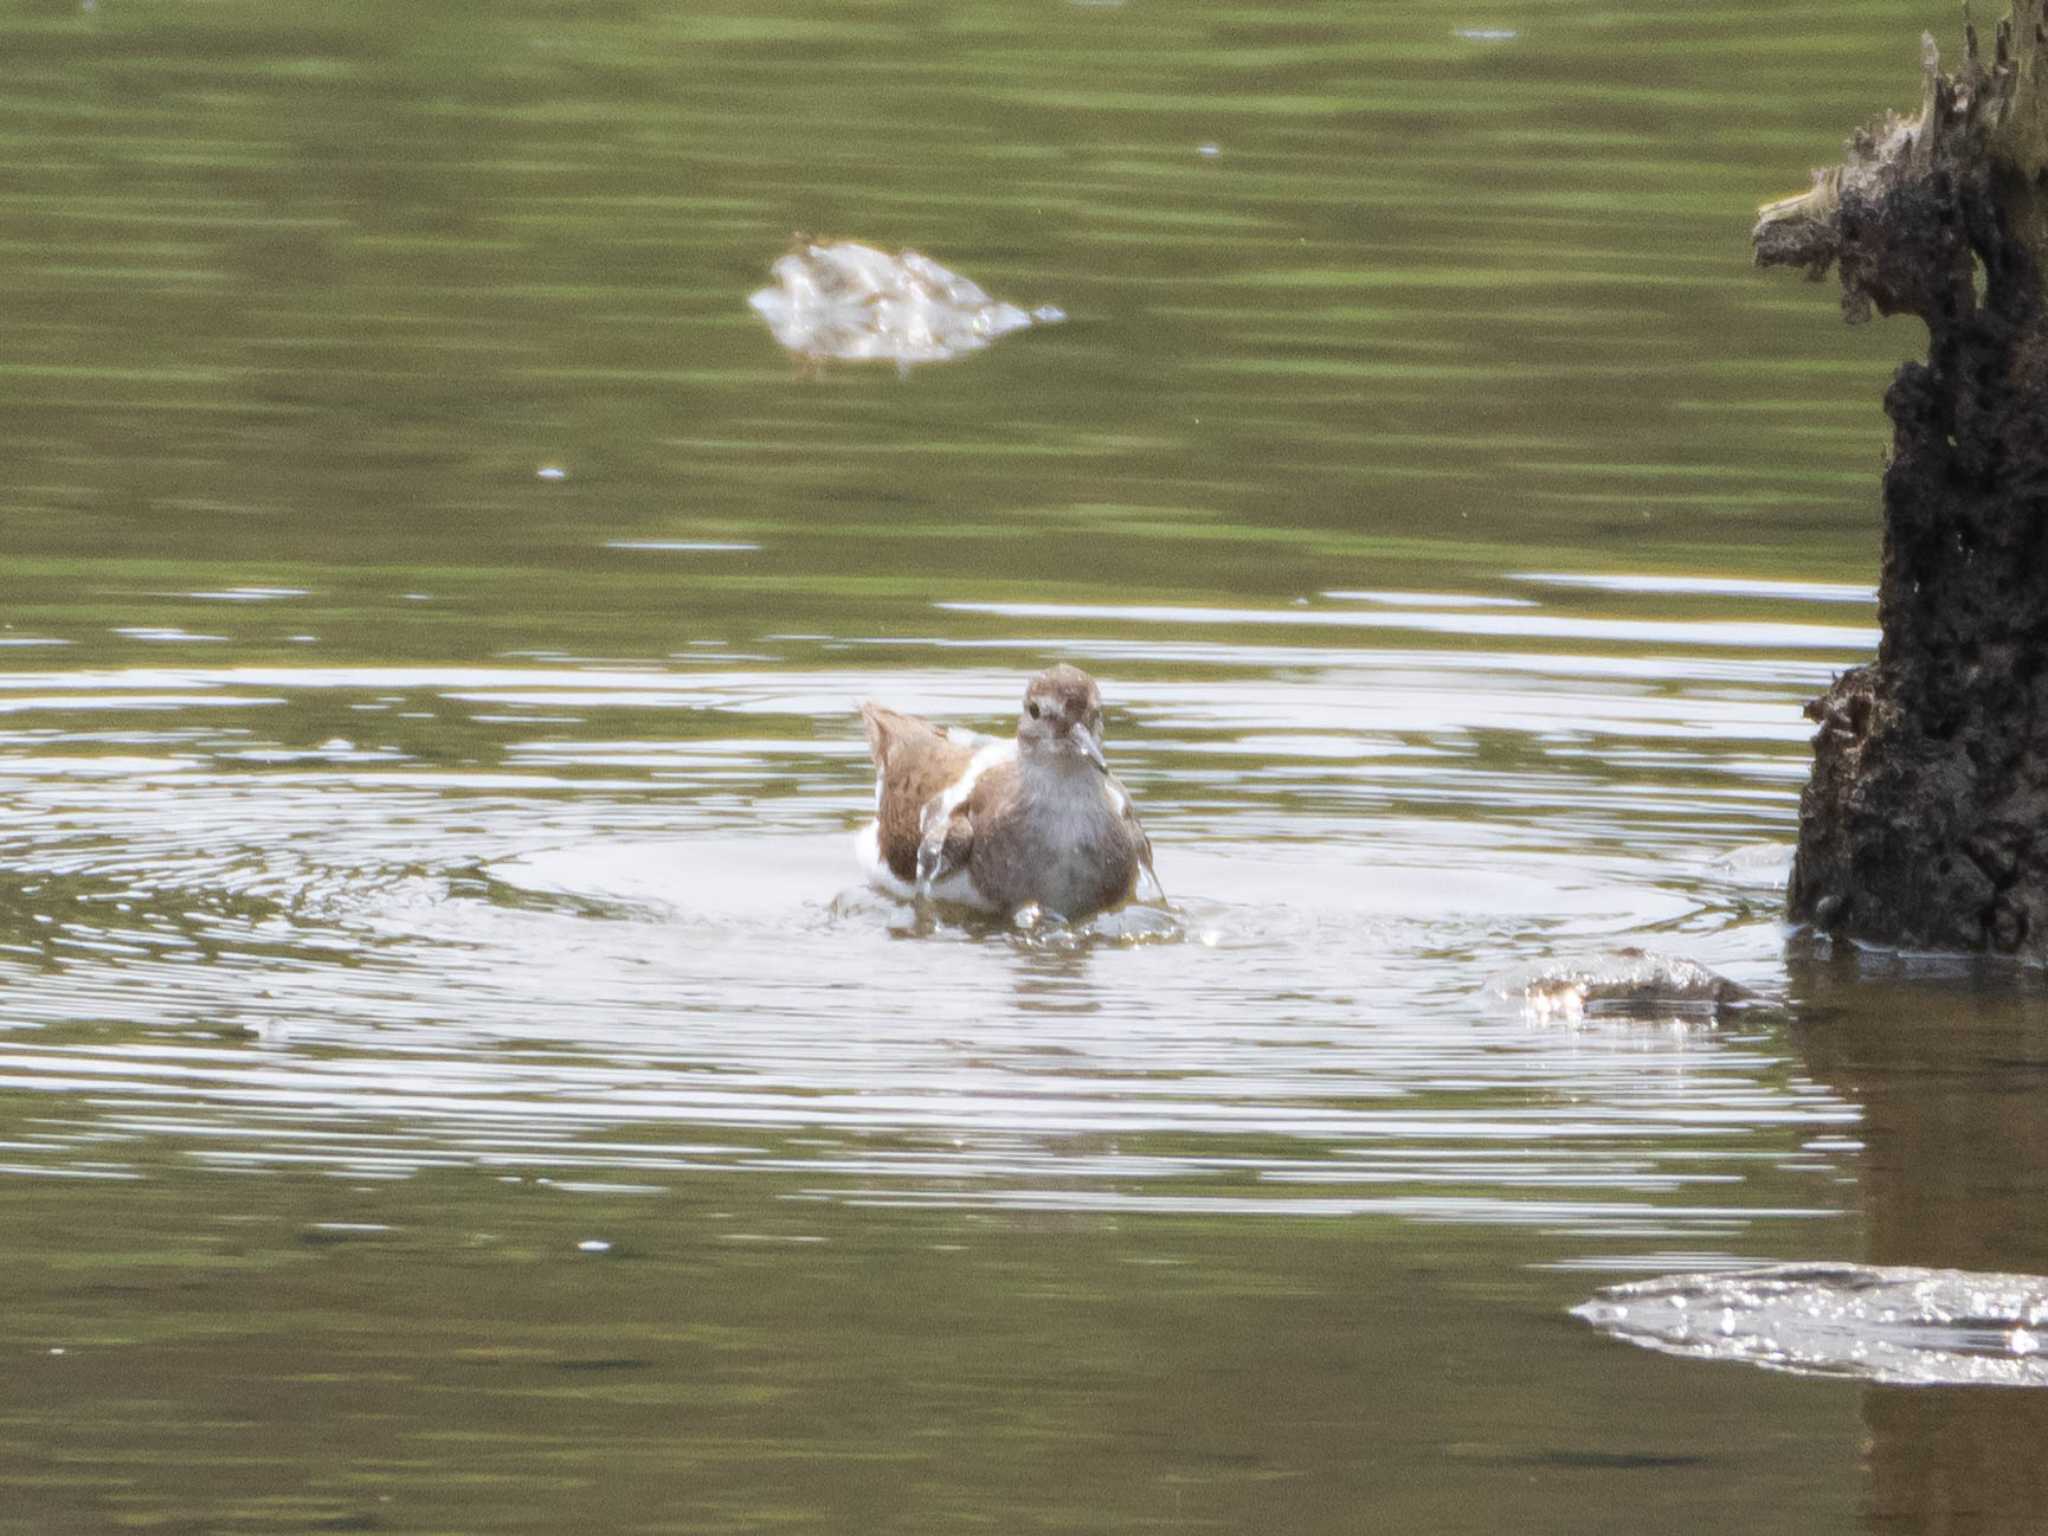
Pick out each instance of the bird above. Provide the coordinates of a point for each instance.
(1003, 826)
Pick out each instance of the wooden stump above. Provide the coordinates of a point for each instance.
(1925, 822)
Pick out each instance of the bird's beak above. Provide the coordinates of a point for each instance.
(1086, 744)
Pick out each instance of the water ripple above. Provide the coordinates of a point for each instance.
(607, 929)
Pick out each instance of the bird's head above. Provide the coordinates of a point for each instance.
(1062, 718)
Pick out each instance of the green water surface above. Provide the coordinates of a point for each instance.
(451, 1079)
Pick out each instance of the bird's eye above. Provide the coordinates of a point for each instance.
(1031, 708)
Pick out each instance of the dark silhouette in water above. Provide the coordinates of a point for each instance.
(1925, 821)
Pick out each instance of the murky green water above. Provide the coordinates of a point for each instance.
(450, 1076)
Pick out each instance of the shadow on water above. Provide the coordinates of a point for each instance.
(1947, 1059)
(1944, 1055)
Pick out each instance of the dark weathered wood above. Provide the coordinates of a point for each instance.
(1925, 822)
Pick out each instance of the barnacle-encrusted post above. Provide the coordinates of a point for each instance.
(1925, 821)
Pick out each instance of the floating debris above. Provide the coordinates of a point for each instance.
(857, 304)
(1764, 865)
(1902, 1327)
(551, 472)
(1630, 984)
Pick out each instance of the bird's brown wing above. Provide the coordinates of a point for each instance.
(1143, 843)
(914, 762)
(952, 833)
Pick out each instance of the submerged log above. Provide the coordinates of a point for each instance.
(1925, 821)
